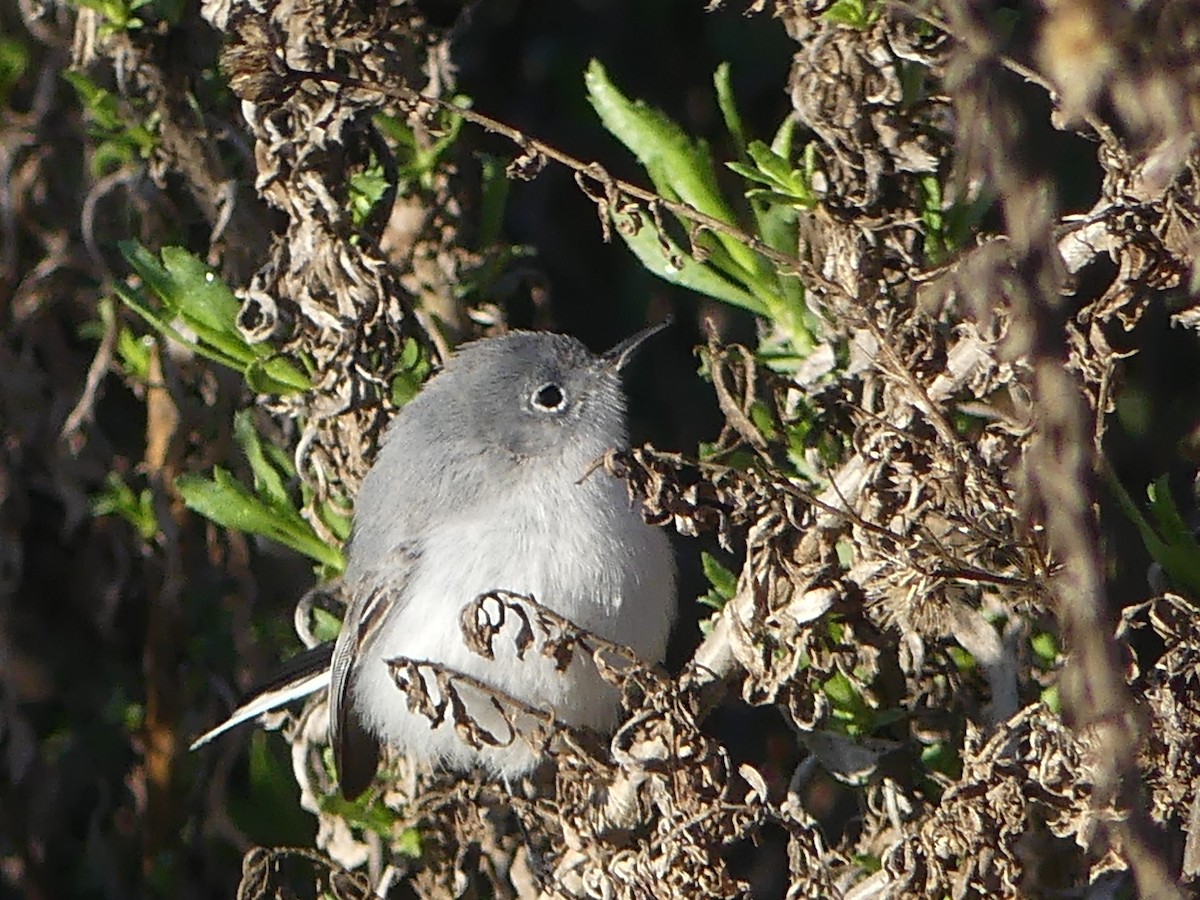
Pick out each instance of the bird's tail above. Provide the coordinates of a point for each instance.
(303, 674)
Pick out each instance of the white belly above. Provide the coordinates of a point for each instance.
(613, 575)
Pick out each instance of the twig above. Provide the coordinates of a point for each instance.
(85, 407)
(714, 660)
(587, 172)
(1061, 460)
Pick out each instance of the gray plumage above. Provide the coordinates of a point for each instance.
(479, 486)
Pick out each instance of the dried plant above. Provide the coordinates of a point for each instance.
(913, 473)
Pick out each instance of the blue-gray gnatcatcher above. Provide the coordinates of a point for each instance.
(479, 487)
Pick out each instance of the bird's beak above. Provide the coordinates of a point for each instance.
(616, 358)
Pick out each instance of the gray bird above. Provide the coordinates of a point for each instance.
(480, 486)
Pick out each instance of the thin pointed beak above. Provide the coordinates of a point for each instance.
(616, 358)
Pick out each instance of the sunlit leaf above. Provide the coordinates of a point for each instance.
(226, 501)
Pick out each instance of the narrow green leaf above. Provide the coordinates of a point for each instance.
(274, 375)
(227, 502)
(151, 271)
(159, 323)
(691, 274)
(117, 498)
(722, 82)
(678, 166)
(722, 579)
(784, 138)
(750, 173)
(267, 480)
(1171, 525)
(204, 301)
(774, 166)
(338, 522)
(191, 293)
(1180, 560)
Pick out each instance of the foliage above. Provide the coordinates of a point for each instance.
(196, 309)
(119, 140)
(268, 510)
(683, 169)
(927, 634)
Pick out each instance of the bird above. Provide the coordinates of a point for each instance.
(484, 483)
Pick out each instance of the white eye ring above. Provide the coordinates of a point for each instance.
(548, 398)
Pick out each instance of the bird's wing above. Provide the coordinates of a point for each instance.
(376, 596)
(303, 674)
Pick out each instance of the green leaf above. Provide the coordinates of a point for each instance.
(689, 273)
(133, 352)
(784, 137)
(268, 482)
(1045, 648)
(107, 116)
(192, 294)
(678, 166)
(729, 111)
(116, 498)
(963, 661)
(410, 373)
(210, 312)
(858, 14)
(14, 61)
(198, 294)
(417, 162)
(325, 625)
(363, 811)
(120, 140)
(776, 167)
(227, 502)
(366, 189)
(160, 321)
(1050, 696)
(722, 579)
(840, 691)
(850, 708)
(409, 843)
(340, 523)
(1162, 506)
(1171, 544)
(119, 15)
(273, 374)
(269, 808)
(763, 420)
(785, 184)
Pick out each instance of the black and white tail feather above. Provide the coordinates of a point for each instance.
(303, 674)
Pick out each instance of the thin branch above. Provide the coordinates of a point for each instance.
(789, 265)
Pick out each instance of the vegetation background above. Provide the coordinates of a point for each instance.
(931, 467)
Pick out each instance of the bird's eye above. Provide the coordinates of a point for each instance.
(549, 397)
